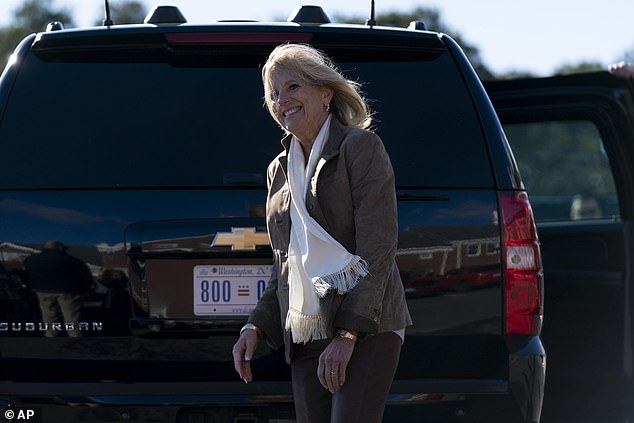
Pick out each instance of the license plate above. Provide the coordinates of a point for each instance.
(228, 290)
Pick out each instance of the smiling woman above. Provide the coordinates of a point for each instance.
(334, 246)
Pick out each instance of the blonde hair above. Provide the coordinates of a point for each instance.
(311, 66)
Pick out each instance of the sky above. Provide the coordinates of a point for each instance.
(537, 36)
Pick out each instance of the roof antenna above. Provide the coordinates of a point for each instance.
(107, 21)
(371, 21)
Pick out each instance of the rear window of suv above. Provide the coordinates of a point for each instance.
(129, 122)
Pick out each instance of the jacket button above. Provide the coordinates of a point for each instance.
(310, 207)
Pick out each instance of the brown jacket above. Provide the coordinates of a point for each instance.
(353, 197)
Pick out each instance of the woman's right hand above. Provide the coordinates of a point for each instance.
(243, 351)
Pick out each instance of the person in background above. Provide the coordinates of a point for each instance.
(335, 299)
(585, 207)
(59, 281)
(621, 69)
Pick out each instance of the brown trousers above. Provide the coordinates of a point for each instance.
(368, 379)
(60, 308)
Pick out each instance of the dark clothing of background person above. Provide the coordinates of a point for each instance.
(59, 280)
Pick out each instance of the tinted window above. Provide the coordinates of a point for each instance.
(565, 169)
(84, 124)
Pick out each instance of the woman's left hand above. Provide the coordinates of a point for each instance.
(333, 362)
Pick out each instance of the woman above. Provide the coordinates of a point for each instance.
(335, 299)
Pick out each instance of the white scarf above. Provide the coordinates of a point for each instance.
(317, 262)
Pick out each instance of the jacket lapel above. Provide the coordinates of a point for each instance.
(283, 157)
(330, 150)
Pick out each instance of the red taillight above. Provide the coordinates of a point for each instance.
(524, 276)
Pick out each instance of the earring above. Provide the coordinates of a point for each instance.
(327, 107)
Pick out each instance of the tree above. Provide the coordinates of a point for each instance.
(579, 67)
(32, 16)
(126, 12)
(513, 74)
(544, 150)
(433, 22)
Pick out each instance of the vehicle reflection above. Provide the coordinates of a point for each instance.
(454, 287)
(457, 267)
(439, 262)
(46, 290)
(460, 266)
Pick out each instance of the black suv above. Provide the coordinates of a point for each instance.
(143, 150)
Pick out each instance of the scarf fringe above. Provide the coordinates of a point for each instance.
(305, 327)
(344, 280)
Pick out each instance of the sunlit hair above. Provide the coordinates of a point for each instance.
(310, 66)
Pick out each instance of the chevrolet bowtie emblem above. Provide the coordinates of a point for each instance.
(241, 239)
